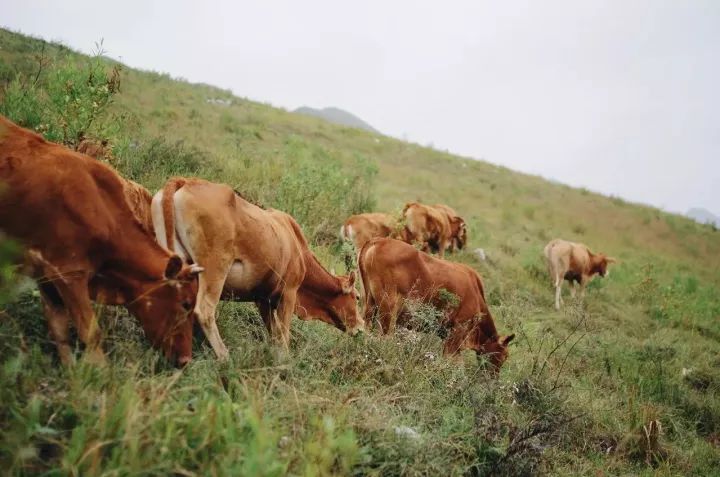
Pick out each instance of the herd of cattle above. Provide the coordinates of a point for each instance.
(91, 235)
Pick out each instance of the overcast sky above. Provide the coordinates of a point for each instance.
(622, 97)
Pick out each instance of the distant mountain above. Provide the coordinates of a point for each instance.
(336, 116)
(703, 216)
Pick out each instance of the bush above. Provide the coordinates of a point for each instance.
(151, 162)
(67, 102)
(320, 191)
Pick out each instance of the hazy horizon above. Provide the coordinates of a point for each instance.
(619, 98)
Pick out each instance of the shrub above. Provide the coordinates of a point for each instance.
(153, 161)
(320, 191)
(66, 103)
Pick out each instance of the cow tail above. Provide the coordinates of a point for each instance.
(364, 279)
(168, 209)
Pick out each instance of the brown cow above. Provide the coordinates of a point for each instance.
(307, 306)
(573, 262)
(363, 227)
(393, 271)
(458, 229)
(427, 226)
(71, 214)
(249, 254)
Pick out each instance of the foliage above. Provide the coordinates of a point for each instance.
(63, 101)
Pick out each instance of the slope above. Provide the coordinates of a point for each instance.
(576, 397)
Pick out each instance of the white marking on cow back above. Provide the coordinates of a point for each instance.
(158, 219)
(183, 244)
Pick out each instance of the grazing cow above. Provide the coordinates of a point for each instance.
(363, 227)
(82, 241)
(458, 229)
(307, 306)
(573, 262)
(393, 271)
(428, 226)
(249, 254)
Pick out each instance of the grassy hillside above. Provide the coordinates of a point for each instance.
(577, 396)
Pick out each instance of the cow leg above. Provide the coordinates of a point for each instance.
(442, 246)
(58, 321)
(266, 313)
(210, 286)
(387, 315)
(573, 290)
(558, 288)
(283, 316)
(369, 311)
(75, 295)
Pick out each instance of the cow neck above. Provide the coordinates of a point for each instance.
(485, 328)
(136, 252)
(318, 280)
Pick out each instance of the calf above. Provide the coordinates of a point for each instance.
(393, 271)
(573, 262)
(81, 237)
(249, 254)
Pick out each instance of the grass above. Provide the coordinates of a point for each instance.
(580, 388)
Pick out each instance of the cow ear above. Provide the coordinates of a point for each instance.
(505, 340)
(611, 259)
(350, 285)
(173, 267)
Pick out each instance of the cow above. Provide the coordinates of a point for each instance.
(573, 262)
(362, 227)
(427, 226)
(458, 228)
(393, 271)
(249, 254)
(306, 307)
(82, 240)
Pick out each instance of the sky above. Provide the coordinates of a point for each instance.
(620, 97)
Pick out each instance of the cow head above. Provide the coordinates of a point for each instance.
(600, 264)
(165, 309)
(339, 309)
(459, 232)
(495, 350)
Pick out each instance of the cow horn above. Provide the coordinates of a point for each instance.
(196, 269)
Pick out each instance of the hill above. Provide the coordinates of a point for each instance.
(703, 216)
(336, 116)
(582, 392)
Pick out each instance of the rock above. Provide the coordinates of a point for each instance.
(480, 254)
(407, 432)
(220, 101)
